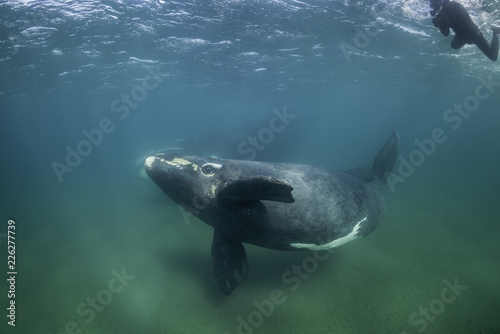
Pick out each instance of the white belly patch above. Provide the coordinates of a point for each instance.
(335, 243)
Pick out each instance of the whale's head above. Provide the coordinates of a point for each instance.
(190, 181)
(202, 185)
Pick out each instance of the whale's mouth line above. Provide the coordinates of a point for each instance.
(336, 242)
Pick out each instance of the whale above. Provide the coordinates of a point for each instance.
(280, 206)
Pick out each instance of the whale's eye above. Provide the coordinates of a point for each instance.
(210, 169)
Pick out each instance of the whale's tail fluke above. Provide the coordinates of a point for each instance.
(386, 159)
(383, 164)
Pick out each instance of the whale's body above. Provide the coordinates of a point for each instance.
(273, 205)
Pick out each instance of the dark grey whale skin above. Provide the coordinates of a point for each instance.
(276, 205)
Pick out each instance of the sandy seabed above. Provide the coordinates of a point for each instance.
(135, 265)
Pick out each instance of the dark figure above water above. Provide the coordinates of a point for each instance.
(449, 14)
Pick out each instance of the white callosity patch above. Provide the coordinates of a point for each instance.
(149, 162)
(334, 243)
(177, 162)
(180, 161)
(213, 188)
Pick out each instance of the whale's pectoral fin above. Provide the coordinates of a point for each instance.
(229, 263)
(248, 190)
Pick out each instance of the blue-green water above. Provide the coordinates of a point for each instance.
(89, 88)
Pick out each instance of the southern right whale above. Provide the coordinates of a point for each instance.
(274, 205)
